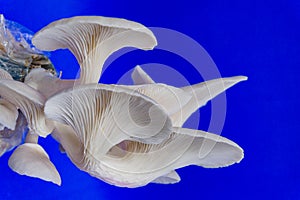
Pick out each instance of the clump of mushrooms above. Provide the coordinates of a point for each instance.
(127, 136)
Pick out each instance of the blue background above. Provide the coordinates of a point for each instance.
(259, 39)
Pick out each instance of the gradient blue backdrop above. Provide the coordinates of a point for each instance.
(256, 38)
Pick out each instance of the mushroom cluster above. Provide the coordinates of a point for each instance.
(125, 135)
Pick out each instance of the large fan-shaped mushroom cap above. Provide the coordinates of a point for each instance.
(92, 39)
(102, 116)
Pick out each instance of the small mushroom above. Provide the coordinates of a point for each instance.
(92, 39)
(46, 83)
(140, 77)
(30, 102)
(201, 93)
(32, 160)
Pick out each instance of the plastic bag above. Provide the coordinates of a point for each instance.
(17, 54)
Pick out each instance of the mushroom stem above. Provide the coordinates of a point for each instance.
(31, 138)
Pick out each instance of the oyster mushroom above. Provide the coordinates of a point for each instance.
(128, 136)
(100, 138)
(12, 124)
(30, 102)
(32, 160)
(9, 112)
(92, 39)
(46, 83)
(91, 119)
(200, 93)
(109, 114)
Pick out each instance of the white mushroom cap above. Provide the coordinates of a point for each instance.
(102, 116)
(92, 39)
(200, 93)
(47, 84)
(30, 102)
(32, 160)
(145, 163)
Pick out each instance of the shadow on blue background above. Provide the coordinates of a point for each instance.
(257, 39)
